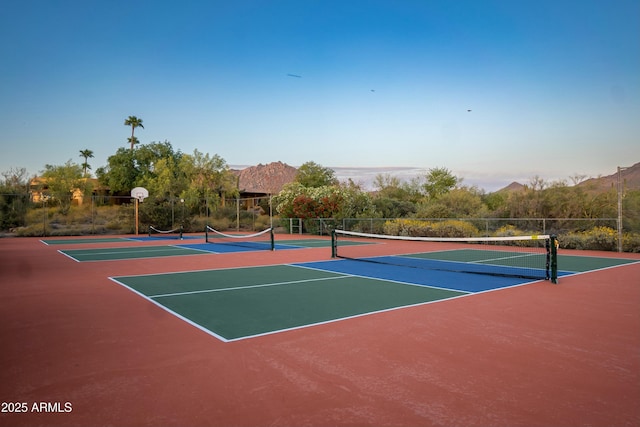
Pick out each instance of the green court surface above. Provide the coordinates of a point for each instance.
(566, 263)
(580, 264)
(318, 243)
(111, 254)
(305, 243)
(85, 240)
(238, 303)
(233, 304)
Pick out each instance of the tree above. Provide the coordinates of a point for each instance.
(132, 140)
(329, 201)
(392, 187)
(311, 174)
(209, 176)
(121, 173)
(439, 181)
(62, 181)
(86, 154)
(134, 122)
(14, 198)
(138, 168)
(16, 180)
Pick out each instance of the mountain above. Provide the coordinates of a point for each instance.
(630, 178)
(514, 186)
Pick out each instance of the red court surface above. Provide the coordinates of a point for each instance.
(95, 354)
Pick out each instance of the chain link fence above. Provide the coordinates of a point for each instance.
(104, 215)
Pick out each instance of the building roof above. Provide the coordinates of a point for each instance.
(265, 179)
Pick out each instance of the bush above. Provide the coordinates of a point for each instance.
(420, 228)
(597, 239)
(220, 224)
(631, 242)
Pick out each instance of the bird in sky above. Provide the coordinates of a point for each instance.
(294, 75)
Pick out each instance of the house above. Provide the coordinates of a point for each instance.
(39, 190)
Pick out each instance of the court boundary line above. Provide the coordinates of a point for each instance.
(577, 273)
(90, 240)
(378, 278)
(463, 294)
(262, 285)
(68, 256)
(482, 262)
(276, 331)
(167, 309)
(340, 319)
(201, 252)
(437, 287)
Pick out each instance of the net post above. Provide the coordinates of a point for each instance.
(334, 244)
(554, 259)
(273, 240)
(149, 231)
(180, 232)
(206, 234)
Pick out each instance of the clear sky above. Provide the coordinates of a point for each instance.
(553, 86)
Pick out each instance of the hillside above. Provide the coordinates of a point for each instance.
(630, 178)
(514, 186)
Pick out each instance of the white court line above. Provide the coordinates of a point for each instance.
(81, 253)
(264, 285)
(382, 279)
(148, 249)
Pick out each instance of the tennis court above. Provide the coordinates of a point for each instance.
(212, 246)
(233, 304)
(140, 238)
(299, 337)
(240, 303)
(122, 253)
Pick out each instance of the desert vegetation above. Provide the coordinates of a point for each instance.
(198, 189)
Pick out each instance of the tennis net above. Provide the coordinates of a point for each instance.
(532, 256)
(262, 240)
(176, 233)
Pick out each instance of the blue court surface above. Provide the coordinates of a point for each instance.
(440, 278)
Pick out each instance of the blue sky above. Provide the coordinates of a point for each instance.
(554, 86)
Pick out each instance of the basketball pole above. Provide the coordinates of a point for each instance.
(136, 203)
(138, 194)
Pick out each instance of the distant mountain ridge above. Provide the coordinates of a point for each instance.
(514, 186)
(630, 178)
(270, 178)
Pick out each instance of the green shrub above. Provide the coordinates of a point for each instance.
(596, 239)
(220, 224)
(631, 242)
(420, 228)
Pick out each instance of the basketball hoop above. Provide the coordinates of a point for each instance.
(140, 193)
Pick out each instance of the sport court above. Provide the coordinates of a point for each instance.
(240, 303)
(579, 336)
(178, 249)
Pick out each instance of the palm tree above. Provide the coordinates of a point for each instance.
(133, 141)
(134, 122)
(87, 154)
